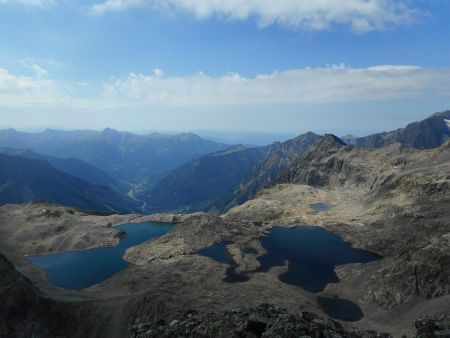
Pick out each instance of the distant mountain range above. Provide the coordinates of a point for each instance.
(23, 180)
(119, 171)
(247, 138)
(124, 156)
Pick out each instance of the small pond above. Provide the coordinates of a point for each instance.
(219, 253)
(81, 269)
(341, 309)
(321, 207)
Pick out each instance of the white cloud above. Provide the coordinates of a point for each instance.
(35, 91)
(158, 72)
(39, 71)
(360, 15)
(308, 85)
(331, 84)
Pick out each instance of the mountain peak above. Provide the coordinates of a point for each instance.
(330, 138)
(444, 114)
(188, 137)
(308, 134)
(110, 131)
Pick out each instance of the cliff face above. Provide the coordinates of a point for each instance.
(319, 165)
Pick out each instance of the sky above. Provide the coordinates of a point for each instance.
(285, 66)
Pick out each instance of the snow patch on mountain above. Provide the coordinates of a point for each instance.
(447, 122)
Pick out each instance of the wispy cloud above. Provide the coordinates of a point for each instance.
(307, 85)
(29, 3)
(359, 15)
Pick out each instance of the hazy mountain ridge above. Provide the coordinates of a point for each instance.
(70, 166)
(23, 180)
(126, 157)
(132, 158)
(226, 178)
(278, 157)
(194, 184)
(428, 133)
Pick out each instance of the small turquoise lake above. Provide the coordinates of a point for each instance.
(84, 268)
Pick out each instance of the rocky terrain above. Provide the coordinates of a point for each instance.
(270, 322)
(392, 201)
(168, 277)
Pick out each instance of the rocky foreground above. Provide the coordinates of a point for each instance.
(268, 321)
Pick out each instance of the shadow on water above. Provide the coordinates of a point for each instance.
(81, 269)
(341, 309)
(219, 253)
(250, 251)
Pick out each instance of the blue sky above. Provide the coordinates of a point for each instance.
(288, 66)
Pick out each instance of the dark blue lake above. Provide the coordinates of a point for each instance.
(341, 309)
(312, 254)
(81, 269)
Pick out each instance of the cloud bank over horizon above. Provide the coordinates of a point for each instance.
(331, 84)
